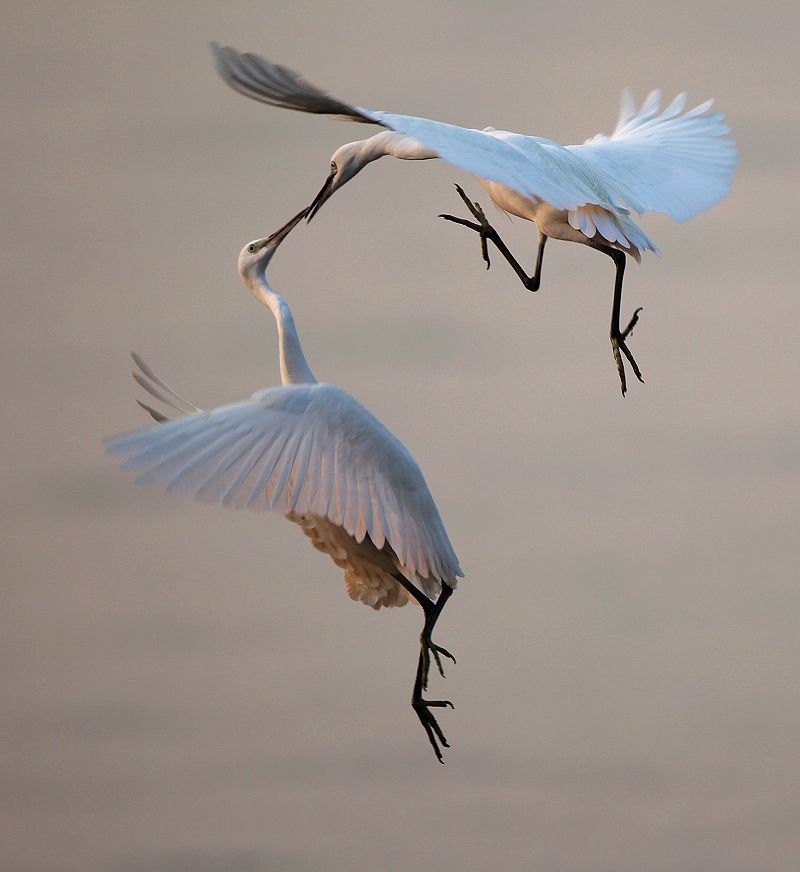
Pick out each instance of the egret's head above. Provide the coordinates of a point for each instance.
(346, 161)
(256, 255)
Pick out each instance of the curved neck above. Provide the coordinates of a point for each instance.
(395, 144)
(294, 367)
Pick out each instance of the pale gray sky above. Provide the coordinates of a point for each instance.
(190, 689)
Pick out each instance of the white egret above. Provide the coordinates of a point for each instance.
(675, 162)
(314, 453)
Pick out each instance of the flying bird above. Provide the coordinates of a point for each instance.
(672, 161)
(314, 453)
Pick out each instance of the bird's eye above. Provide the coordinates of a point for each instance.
(251, 248)
(333, 166)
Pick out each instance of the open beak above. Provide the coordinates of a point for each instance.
(325, 191)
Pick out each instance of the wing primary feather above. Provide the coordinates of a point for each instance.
(231, 496)
(350, 498)
(376, 532)
(218, 474)
(181, 478)
(257, 78)
(281, 472)
(297, 474)
(364, 518)
(152, 445)
(257, 498)
(322, 499)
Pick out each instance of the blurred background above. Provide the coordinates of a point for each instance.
(187, 688)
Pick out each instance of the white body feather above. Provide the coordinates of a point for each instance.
(313, 453)
(675, 162)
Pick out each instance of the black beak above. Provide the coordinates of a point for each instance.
(279, 235)
(325, 191)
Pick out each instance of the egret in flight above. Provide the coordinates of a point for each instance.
(315, 454)
(672, 161)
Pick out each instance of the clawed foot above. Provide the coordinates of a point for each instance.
(427, 647)
(435, 735)
(483, 227)
(423, 706)
(618, 345)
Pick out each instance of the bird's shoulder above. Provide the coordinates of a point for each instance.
(338, 418)
(319, 399)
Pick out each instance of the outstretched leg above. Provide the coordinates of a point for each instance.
(486, 231)
(618, 336)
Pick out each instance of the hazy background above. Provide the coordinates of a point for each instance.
(190, 690)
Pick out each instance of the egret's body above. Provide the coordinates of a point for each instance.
(672, 161)
(315, 454)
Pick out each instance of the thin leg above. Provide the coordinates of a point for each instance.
(486, 231)
(432, 611)
(618, 336)
(426, 642)
(423, 707)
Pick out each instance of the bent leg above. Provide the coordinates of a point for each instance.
(486, 231)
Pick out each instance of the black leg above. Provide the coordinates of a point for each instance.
(618, 336)
(421, 706)
(432, 611)
(427, 645)
(486, 231)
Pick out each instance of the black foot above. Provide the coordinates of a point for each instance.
(486, 232)
(618, 345)
(434, 732)
(483, 227)
(427, 647)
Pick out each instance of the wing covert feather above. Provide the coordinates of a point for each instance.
(307, 449)
(530, 172)
(675, 162)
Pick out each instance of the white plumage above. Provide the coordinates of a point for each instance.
(307, 451)
(315, 454)
(674, 161)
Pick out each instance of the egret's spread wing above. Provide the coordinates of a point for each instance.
(276, 85)
(675, 162)
(489, 156)
(307, 449)
(566, 169)
(476, 151)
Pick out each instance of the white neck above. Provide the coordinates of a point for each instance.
(294, 367)
(395, 144)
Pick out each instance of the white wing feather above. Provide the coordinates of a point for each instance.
(679, 164)
(530, 171)
(307, 449)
